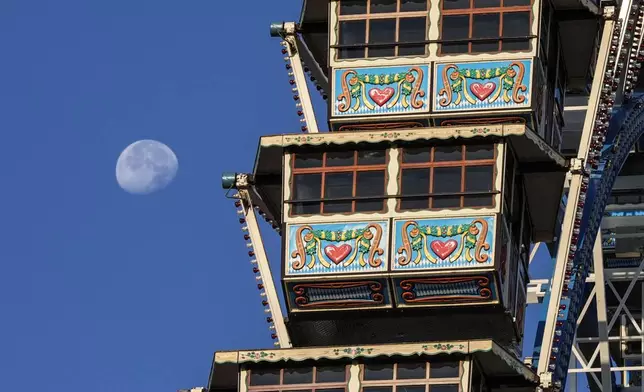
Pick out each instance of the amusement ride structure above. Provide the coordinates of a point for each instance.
(463, 136)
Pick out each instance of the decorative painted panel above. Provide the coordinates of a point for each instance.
(381, 91)
(337, 248)
(482, 85)
(443, 290)
(359, 293)
(463, 243)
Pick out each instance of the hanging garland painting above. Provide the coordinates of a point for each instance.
(443, 243)
(482, 85)
(329, 248)
(381, 91)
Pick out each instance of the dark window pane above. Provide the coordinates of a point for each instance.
(455, 27)
(302, 375)
(448, 153)
(480, 151)
(478, 201)
(382, 31)
(514, 3)
(413, 5)
(378, 6)
(378, 372)
(353, 7)
(376, 389)
(455, 4)
(311, 159)
(376, 157)
(414, 182)
(306, 208)
(408, 371)
(371, 183)
(410, 388)
(444, 369)
(447, 180)
(444, 388)
(411, 30)
(415, 155)
(264, 377)
(330, 390)
(338, 185)
(486, 3)
(307, 186)
(479, 179)
(330, 374)
(516, 24)
(446, 202)
(340, 158)
(352, 32)
(486, 26)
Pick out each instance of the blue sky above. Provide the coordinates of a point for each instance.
(99, 287)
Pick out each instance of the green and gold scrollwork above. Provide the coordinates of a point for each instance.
(361, 244)
(407, 89)
(504, 82)
(415, 242)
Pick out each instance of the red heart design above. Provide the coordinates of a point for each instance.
(443, 249)
(482, 91)
(381, 97)
(337, 253)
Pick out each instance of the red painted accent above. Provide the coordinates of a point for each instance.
(337, 253)
(482, 91)
(380, 97)
(443, 249)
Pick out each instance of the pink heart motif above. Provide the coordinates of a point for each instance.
(443, 249)
(337, 253)
(380, 97)
(482, 91)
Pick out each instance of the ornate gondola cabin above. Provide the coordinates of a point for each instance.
(405, 235)
(412, 219)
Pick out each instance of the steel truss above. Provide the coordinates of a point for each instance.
(597, 366)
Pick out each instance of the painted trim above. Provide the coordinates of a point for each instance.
(387, 350)
(443, 133)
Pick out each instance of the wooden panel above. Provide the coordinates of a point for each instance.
(380, 91)
(446, 290)
(348, 294)
(482, 86)
(337, 248)
(438, 244)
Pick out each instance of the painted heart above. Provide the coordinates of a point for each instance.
(482, 91)
(443, 249)
(337, 253)
(380, 97)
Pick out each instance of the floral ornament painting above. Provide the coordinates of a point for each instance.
(443, 243)
(381, 90)
(337, 248)
(482, 85)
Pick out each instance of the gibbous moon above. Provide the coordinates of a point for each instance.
(146, 166)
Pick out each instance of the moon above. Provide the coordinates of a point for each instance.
(146, 166)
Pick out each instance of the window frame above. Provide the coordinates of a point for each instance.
(463, 164)
(298, 387)
(368, 17)
(501, 11)
(324, 170)
(427, 382)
